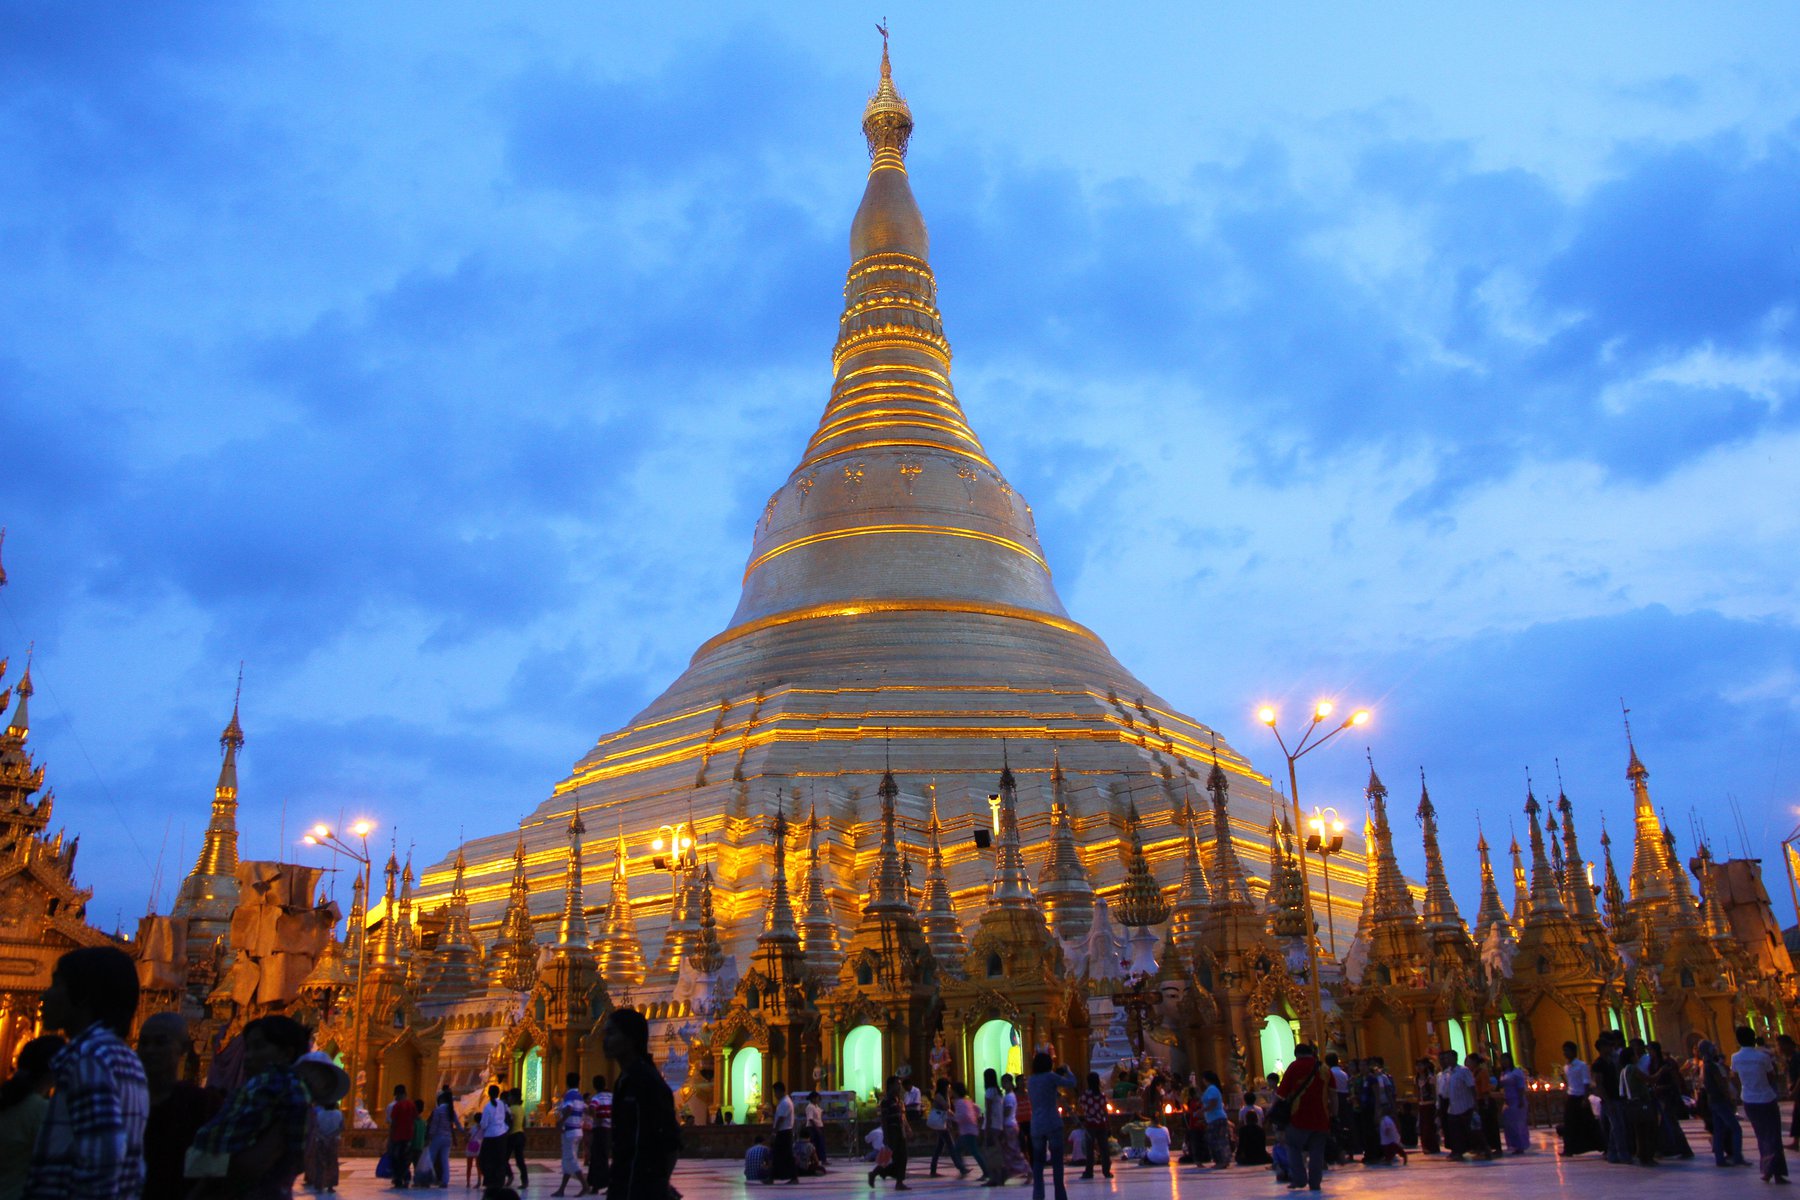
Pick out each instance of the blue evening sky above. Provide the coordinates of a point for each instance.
(435, 360)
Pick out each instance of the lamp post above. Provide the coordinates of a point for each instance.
(1310, 739)
(324, 835)
(1787, 860)
(1326, 839)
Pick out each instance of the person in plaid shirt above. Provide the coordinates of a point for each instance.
(262, 1126)
(91, 1145)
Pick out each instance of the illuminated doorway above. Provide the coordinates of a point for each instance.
(997, 1046)
(1277, 1040)
(531, 1076)
(746, 1082)
(1459, 1041)
(862, 1061)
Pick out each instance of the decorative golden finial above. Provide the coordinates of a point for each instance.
(887, 121)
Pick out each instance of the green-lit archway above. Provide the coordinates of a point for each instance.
(997, 1046)
(746, 1082)
(531, 1076)
(1459, 1041)
(1277, 1040)
(862, 1061)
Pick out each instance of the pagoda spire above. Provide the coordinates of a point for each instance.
(887, 883)
(1140, 902)
(404, 929)
(1612, 893)
(1651, 869)
(1716, 921)
(19, 726)
(514, 963)
(1011, 889)
(893, 473)
(1393, 899)
(1546, 891)
(1440, 906)
(621, 955)
(209, 894)
(1578, 893)
(708, 955)
(457, 967)
(387, 958)
(780, 926)
(1064, 886)
(1685, 908)
(356, 928)
(1521, 888)
(1193, 897)
(818, 925)
(1230, 884)
(943, 932)
(1287, 886)
(1491, 911)
(573, 933)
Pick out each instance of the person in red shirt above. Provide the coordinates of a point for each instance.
(1306, 1087)
(401, 1114)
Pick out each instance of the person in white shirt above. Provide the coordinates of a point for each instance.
(1757, 1075)
(492, 1160)
(785, 1168)
(1456, 1100)
(814, 1118)
(1580, 1130)
(1156, 1143)
(571, 1115)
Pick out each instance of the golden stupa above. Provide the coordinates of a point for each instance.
(897, 608)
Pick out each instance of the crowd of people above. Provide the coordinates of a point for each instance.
(85, 1115)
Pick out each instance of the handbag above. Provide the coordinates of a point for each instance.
(884, 1157)
(384, 1166)
(1282, 1111)
(205, 1164)
(935, 1119)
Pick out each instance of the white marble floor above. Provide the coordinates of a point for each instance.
(1524, 1178)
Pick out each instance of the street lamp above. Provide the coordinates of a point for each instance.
(1787, 860)
(1326, 839)
(673, 844)
(1310, 739)
(323, 835)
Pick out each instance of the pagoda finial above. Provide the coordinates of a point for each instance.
(1230, 884)
(887, 121)
(708, 955)
(1393, 899)
(1578, 893)
(1064, 887)
(1011, 889)
(1521, 888)
(573, 933)
(818, 925)
(1546, 890)
(20, 724)
(943, 932)
(621, 956)
(1140, 903)
(887, 883)
(1491, 912)
(387, 945)
(515, 949)
(780, 926)
(1440, 906)
(1611, 892)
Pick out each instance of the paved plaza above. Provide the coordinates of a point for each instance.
(1534, 1175)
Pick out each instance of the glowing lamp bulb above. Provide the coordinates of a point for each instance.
(1266, 715)
(1322, 709)
(321, 830)
(1360, 717)
(657, 844)
(362, 828)
(310, 840)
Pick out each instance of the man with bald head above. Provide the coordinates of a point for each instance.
(177, 1108)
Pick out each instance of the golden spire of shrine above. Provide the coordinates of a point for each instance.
(1611, 892)
(1578, 893)
(1230, 885)
(1546, 889)
(887, 121)
(1011, 888)
(621, 955)
(405, 930)
(1491, 912)
(1064, 887)
(1651, 867)
(1393, 899)
(514, 961)
(1287, 886)
(20, 725)
(1440, 906)
(887, 882)
(780, 926)
(357, 928)
(573, 933)
(943, 932)
(1684, 908)
(457, 962)
(1193, 896)
(1521, 888)
(708, 955)
(818, 924)
(218, 854)
(387, 958)
(1140, 901)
